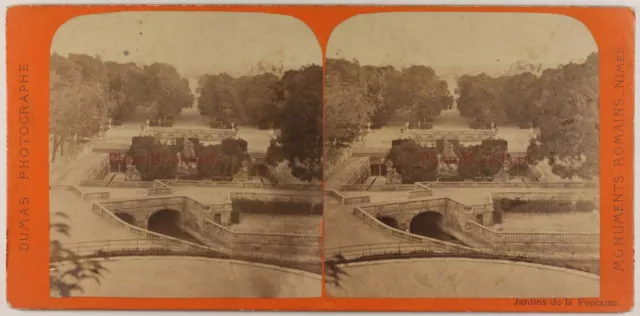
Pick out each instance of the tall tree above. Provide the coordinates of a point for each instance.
(569, 132)
(79, 103)
(300, 121)
(347, 101)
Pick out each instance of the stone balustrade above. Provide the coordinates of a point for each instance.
(349, 200)
(420, 194)
(88, 195)
(164, 133)
(429, 135)
(144, 202)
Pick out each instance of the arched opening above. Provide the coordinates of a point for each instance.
(168, 222)
(479, 219)
(389, 221)
(127, 218)
(427, 224)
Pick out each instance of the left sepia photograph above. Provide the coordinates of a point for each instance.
(185, 156)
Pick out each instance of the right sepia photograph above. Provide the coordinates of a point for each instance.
(461, 157)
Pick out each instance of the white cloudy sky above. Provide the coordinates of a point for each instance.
(461, 42)
(194, 42)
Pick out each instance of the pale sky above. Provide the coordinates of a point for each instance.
(458, 43)
(194, 42)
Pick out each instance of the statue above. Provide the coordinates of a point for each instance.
(109, 121)
(368, 127)
(187, 159)
(131, 173)
(393, 177)
(448, 160)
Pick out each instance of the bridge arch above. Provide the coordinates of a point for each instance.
(389, 221)
(427, 224)
(165, 221)
(127, 218)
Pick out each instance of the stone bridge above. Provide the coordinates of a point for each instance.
(182, 209)
(444, 212)
(474, 221)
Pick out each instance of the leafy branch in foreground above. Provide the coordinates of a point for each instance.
(67, 269)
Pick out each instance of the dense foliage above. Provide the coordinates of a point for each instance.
(291, 104)
(276, 207)
(563, 103)
(85, 92)
(156, 160)
(543, 206)
(356, 95)
(418, 163)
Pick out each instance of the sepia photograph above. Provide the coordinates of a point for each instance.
(461, 157)
(185, 156)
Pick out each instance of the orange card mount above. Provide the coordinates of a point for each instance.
(437, 158)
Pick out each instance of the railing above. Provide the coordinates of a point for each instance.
(491, 235)
(374, 252)
(159, 247)
(356, 177)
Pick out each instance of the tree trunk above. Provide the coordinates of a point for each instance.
(61, 147)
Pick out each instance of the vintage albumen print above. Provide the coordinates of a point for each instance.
(462, 157)
(185, 156)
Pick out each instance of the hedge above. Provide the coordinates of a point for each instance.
(542, 206)
(274, 207)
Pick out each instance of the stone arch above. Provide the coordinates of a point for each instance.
(389, 221)
(127, 218)
(428, 224)
(165, 221)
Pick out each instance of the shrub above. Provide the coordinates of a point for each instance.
(276, 207)
(586, 206)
